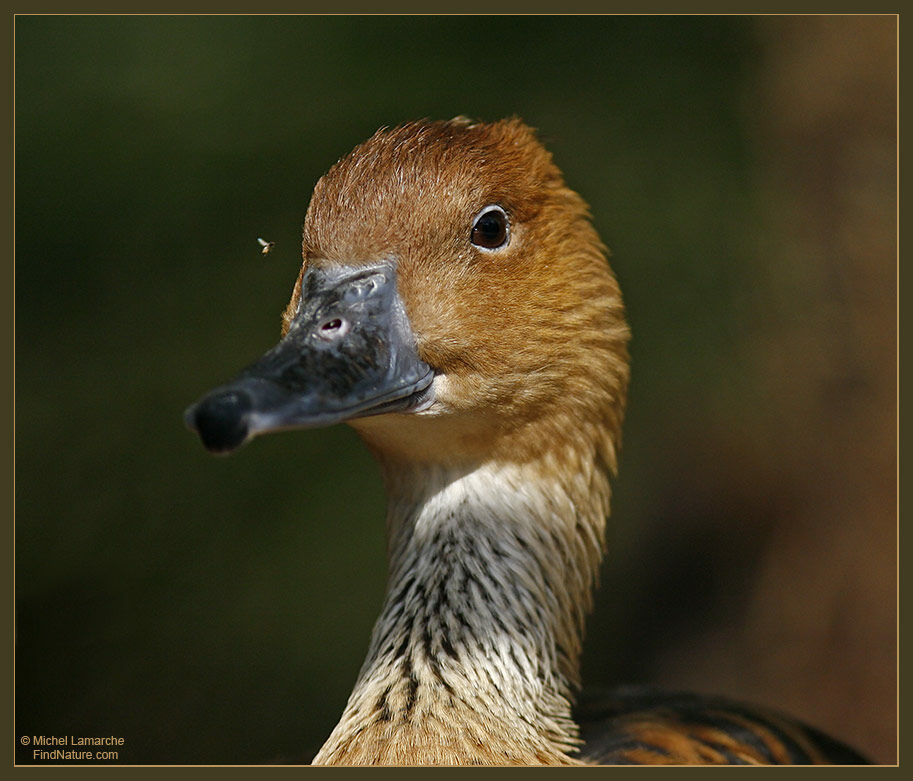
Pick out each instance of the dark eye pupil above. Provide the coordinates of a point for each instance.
(490, 230)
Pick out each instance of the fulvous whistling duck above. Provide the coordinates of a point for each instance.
(455, 306)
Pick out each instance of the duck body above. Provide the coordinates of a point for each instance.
(455, 306)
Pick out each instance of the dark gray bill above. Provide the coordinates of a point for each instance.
(349, 352)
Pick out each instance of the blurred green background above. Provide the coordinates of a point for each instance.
(217, 610)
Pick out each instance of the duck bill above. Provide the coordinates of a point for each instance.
(349, 352)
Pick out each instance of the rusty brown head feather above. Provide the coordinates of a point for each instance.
(530, 337)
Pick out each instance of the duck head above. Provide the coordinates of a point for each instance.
(454, 305)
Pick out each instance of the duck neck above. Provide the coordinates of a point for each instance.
(474, 658)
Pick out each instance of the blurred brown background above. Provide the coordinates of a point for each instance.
(743, 171)
(801, 608)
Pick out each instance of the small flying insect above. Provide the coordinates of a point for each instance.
(267, 246)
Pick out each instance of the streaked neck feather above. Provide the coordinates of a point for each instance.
(474, 659)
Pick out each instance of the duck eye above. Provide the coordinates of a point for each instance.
(491, 229)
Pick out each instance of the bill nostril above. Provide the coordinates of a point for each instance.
(333, 328)
(222, 420)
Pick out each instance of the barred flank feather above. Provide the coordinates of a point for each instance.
(643, 727)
